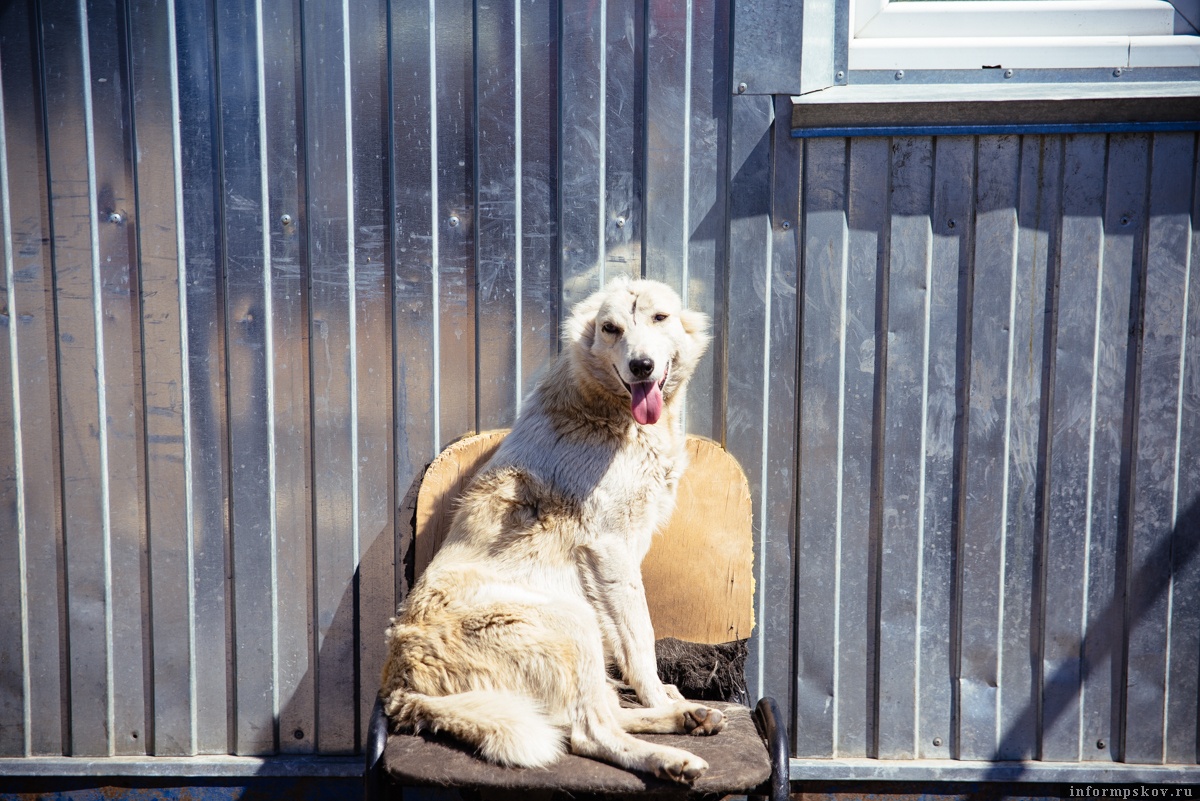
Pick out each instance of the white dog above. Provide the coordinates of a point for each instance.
(503, 641)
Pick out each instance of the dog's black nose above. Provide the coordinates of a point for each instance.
(641, 368)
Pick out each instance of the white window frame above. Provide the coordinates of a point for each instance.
(1010, 35)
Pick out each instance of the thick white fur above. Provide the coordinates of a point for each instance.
(503, 641)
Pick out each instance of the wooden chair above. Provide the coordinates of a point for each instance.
(699, 585)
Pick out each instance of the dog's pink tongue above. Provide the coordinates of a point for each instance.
(647, 402)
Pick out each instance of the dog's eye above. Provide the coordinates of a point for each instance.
(658, 318)
(609, 328)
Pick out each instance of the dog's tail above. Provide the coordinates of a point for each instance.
(507, 728)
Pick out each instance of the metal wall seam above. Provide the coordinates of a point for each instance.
(622, 148)
(1124, 221)
(413, 226)
(1167, 219)
(825, 231)
(780, 423)
(1182, 713)
(15, 737)
(985, 482)
(952, 228)
(374, 558)
(498, 226)
(161, 287)
(203, 292)
(435, 227)
(268, 325)
(1021, 585)
(112, 135)
(246, 264)
(1069, 466)
(454, 224)
(78, 291)
(865, 188)
(747, 331)
(330, 221)
(581, 150)
(32, 295)
(667, 128)
(185, 376)
(706, 201)
(537, 221)
(904, 291)
(284, 223)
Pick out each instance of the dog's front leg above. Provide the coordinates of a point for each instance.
(614, 582)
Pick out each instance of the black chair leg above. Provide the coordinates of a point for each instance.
(377, 731)
(771, 723)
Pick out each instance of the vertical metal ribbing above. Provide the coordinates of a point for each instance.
(352, 280)
(919, 606)
(602, 146)
(685, 227)
(1085, 617)
(185, 381)
(1005, 475)
(840, 465)
(434, 226)
(1177, 462)
(18, 453)
(518, 209)
(268, 358)
(101, 392)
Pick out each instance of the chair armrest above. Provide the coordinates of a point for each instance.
(377, 732)
(770, 721)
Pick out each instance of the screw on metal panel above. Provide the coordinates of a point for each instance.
(1101, 744)
(115, 217)
(453, 221)
(298, 734)
(742, 88)
(899, 75)
(951, 223)
(620, 222)
(937, 742)
(841, 76)
(1008, 73)
(285, 219)
(1118, 72)
(1125, 220)
(787, 225)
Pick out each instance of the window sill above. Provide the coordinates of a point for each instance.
(1025, 52)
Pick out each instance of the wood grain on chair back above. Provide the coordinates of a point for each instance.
(699, 573)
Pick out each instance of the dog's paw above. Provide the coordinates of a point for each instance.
(701, 720)
(679, 766)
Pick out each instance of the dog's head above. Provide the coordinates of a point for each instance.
(638, 342)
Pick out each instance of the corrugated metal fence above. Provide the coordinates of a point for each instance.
(262, 261)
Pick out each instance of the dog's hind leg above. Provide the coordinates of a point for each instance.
(684, 717)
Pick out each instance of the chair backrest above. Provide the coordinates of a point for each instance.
(699, 573)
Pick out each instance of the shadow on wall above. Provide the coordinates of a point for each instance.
(1178, 549)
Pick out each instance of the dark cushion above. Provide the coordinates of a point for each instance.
(737, 760)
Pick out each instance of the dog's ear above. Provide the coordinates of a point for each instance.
(694, 322)
(695, 326)
(580, 327)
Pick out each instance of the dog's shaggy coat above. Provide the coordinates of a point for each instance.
(504, 639)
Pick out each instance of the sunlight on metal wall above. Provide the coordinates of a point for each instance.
(262, 262)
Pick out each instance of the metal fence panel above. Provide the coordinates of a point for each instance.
(1034, 295)
(262, 262)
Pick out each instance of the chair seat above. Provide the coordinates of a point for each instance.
(737, 757)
